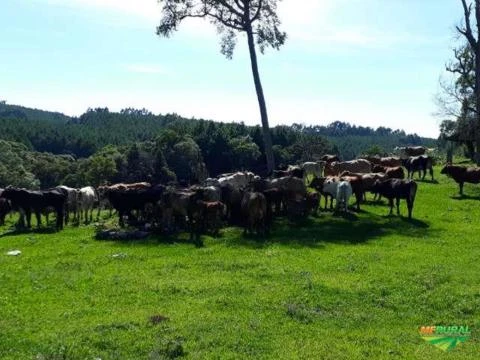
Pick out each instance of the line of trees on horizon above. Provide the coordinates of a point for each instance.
(44, 149)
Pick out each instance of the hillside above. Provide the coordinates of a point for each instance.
(136, 145)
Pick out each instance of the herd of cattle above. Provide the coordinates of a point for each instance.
(240, 198)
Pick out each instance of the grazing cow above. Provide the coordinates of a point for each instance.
(35, 201)
(313, 168)
(344, 191)
(462, 174)
(418, 163)
(397, 189)
(330, 158)
(87, 197)
(390, 172)
(254, 211)
(356, 166)
(408, 151)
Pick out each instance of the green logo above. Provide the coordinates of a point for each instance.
(445, 337)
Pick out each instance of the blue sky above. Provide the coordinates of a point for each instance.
(368, 62)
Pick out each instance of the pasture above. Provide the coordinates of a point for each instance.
(329, 288)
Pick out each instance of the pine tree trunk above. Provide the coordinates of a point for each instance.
(267, 138)
(477, 86)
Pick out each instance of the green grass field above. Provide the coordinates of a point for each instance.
(330, 288)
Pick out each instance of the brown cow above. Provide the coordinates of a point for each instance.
(254, 210)
(391, 161)
(367, 179)
(357, 187)
(390, 172)
(356, 166)
(462, 174)
(210, 215)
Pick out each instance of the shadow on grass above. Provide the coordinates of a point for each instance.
(465, 197)
(426, 181)
(347, 228)
(343, 228)
(23, 231)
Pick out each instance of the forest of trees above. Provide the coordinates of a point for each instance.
(44, 149)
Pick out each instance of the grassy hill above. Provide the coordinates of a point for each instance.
(331, 288)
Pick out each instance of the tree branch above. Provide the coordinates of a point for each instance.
(257, 14)
(467, 10)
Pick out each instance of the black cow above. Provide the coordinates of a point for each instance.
(35, 201)
(418, 163)
(127, 200)
(397, 189)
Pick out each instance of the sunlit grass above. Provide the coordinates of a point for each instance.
(329, 288)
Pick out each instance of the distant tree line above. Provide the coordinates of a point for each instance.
(44, 149)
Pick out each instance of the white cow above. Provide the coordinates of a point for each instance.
(344, 191)
(71, 205)
(239, 180)
(86, 202)
(312, 168)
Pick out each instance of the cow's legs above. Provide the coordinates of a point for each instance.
(38, 215)
(398, 205)
(410, 208)
(21, 219)
(390, 202)
(60, 218)
(461, 187)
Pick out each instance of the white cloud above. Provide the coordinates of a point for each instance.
(316, 22)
